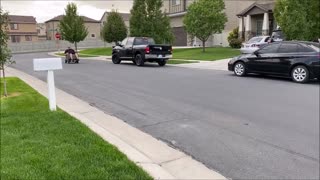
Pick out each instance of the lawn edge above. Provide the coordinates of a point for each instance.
(154, 156)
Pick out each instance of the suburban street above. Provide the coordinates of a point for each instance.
(245, 128)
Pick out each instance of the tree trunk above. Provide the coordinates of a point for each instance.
(75, 45)
(4, 82)
(203, 46)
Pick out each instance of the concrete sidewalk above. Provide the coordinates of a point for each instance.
(154, 156)
(213, 65)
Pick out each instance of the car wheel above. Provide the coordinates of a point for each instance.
(162, 62)
(300, 74)
(116, 59)
(139, 60)
(239, 69)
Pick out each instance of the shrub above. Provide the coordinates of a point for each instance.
(233, 38)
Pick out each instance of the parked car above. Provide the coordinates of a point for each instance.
(277, 35)
(140, 50)
(295, 59)
(254, 44)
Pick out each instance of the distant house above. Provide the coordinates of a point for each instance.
(177, 9)
(22, 28)
(256, 20)
(52, 27)
(41, 30)
(125, 16)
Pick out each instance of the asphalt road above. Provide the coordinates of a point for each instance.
(246, 128)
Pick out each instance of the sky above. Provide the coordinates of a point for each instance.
(47, 9)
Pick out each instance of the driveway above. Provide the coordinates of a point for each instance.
(245, 128)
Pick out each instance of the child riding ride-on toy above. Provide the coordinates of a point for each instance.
(71, 56)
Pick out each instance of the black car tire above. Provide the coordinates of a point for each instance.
(239, 69)
(139, 60)
(116, 59)
(300, 74)
(162, 62)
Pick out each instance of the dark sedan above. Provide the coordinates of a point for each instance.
(298, 60)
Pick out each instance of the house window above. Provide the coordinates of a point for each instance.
(93, 35)
(13, 26)
(15, 39)
(28, 38)
(176, 2)
(259, 27)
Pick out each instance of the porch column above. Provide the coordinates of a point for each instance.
(240, 27)
(248, 28)
(265, 26)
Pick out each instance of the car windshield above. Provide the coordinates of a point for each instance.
(254, 40)
(277, 35)
(315, 47)
(144, 41)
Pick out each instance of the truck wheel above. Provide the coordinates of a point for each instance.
(162, 63)
(139, 60)
(116, 59)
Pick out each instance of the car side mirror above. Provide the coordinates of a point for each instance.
(118, 44)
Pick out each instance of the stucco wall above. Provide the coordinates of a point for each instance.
(93, 28)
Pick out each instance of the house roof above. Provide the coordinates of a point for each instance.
(125, 16)
(85, 19)
(22, 19)
(264, 7)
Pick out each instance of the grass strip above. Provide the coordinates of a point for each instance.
(39, 144)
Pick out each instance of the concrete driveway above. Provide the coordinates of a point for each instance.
(245, 128)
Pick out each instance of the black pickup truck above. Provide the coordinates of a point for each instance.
(140, 50)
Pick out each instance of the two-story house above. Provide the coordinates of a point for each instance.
(235, 10)
(41, 30)
(125, 16)
(22, 28)
(52, 27)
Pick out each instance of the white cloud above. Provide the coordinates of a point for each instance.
(45, 10)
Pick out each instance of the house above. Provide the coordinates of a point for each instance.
(256, 20)
(52, 27)
(125, 16)
(41, 30)
(22, 28)
(176, 10)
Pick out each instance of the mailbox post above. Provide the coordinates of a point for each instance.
(49, 64)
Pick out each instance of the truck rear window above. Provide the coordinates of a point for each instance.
(143, 41)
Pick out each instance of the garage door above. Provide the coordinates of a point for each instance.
(180, 36)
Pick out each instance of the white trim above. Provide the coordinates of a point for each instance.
(177, 14)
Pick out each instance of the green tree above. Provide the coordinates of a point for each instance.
(298, 19)
(148, 20)
(72, 26)
(204, 18)
(114, 29)
(5, 53)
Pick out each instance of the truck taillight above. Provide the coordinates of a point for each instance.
(147, 50)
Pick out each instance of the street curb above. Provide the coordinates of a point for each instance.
(154, 156)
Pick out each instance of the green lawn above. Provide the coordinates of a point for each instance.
(211, 54)
(173, 61)
(39, 144)
(98, 51)
(80, 55)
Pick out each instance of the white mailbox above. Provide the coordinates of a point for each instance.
(46, 64)
(49, 64)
